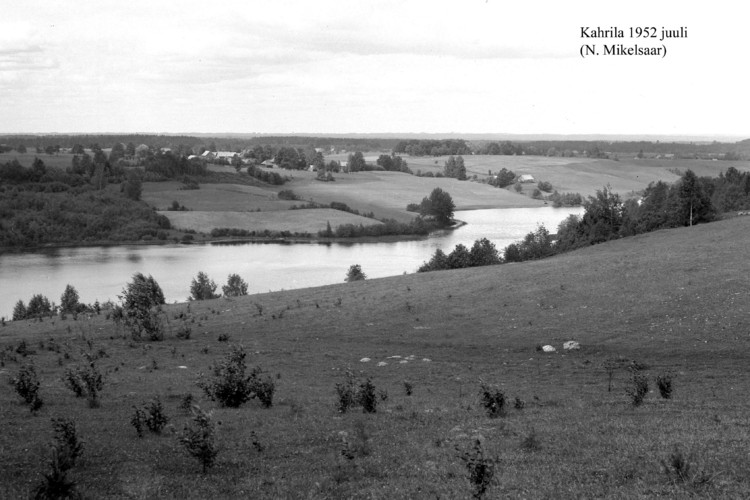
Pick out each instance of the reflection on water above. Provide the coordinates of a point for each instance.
(100, 273)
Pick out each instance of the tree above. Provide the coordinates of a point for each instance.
(459, 257)
(355, 273)
(357, 162)
(133, 186)
(455, 168)
(118, 151)
(438, 262)
(438, 205)
(235, 286)
(690, 203)
(19, 311)
(483, 253)
(69, 300)
(39, 306)
(139, 297)
(202, 288)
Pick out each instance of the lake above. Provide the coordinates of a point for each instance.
(100, 273)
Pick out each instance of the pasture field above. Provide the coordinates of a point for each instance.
(674, 300)
(295, 221)
(216, 197)
(58, 160)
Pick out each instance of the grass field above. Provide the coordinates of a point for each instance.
(295, 221)
(60, 160)
(672, 300)
(216, 197)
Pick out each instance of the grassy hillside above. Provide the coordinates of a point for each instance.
(671, 300)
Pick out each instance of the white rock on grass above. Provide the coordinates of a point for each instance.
(382, 363)
(364, 360)
(426, 360)
(571, 345)
(403, 361)
(548, 348)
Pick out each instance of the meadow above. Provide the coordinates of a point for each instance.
(672, 301)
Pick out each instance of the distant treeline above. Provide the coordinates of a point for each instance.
(269, 147)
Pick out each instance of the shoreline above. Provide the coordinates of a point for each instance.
(208, 240)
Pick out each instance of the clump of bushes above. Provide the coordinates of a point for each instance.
(355, 273)
(231, 386)
(352, 393)
(26, 385)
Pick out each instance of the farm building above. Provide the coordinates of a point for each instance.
(526, 178)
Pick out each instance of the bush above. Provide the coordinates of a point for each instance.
(480, 467)
(493, 400)
(355, 273)
(638, 389)
(199, 439)
(85, 381)
(235, 286)
(664, 383)
(26, 385)
(202, 288)
(151, 415)
(67, 442)
(364, 395)
(231, 387)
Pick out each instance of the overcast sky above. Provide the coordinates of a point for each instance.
(468, 66)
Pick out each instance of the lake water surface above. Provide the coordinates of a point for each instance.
(100, 273)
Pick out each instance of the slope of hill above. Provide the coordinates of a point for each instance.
(673, 301)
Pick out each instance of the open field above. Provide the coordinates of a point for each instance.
(59, 160)
(295, 221)
(216, 197)
(387, 193)
(583, 175)
(672, 300)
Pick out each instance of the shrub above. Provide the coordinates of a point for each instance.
(408, 387)
(366, 397)
(85, 381)
(56, 483)
(346, 393)
(199, 439)
(480, 467)
(355, 273)
(67, 442)
(235, 286)
(664, 383)
(151, 415)
(231, 387)
(26, 385)
(531, 441)
(493, 400)
(202, 288)
(638, 389)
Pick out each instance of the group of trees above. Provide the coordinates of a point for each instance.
(432, 147)
(455, 168)
(393, 163)
(482, 253)
(438, 205)
(204, 288)
(39, 306)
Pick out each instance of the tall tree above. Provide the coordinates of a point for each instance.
(438, 205)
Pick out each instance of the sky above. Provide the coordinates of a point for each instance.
(369, 66)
